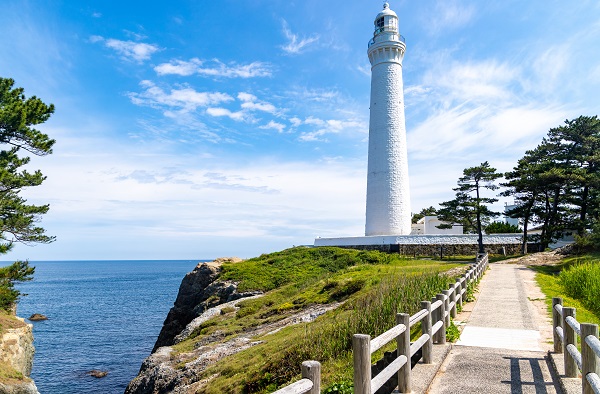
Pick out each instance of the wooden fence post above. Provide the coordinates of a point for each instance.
(458, 288)
(441, 338)
(556, 322)
(434, 319)
(571, 369)
(453, 300)
(361, 349)
(426, 329)
(311, 370)
(403, 341)
(588, 357)
(446, 294)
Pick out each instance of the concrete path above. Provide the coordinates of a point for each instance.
(503, 346)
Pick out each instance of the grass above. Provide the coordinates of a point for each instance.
(565, 280)
(372, 285)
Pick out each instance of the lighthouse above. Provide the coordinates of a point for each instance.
(388, 194)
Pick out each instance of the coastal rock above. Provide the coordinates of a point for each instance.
(26, 387)
(16, 348)
(16, 351)
(97, 373)
(199, 291)
(189, 302)
(157, 375)
(37, 317)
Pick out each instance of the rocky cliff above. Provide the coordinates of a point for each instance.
(200, 296)
(16, 356)
(184, 350)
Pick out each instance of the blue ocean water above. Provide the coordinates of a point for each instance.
(102, 315)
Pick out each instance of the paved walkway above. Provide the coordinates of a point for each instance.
(503, 346)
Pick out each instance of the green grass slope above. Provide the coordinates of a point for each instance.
(374, 286)
(577, 280)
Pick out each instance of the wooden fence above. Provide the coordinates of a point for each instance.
(434, 317)
(567, 330)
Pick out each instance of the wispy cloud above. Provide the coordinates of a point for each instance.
(449, 14)
(128, 50)
(215, 69)
(184, 99)
(331, 126)
(296, 44)
(272, 125)
(251, 103)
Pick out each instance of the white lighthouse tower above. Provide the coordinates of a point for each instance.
(388, 195)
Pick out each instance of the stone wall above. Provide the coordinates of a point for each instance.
(445, 250)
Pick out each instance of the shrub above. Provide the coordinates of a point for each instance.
(340, 388)
(582, 281)
(227, 309)
(501, 228)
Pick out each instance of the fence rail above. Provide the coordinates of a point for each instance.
(434, 317)
(567, 330)
(310, 382)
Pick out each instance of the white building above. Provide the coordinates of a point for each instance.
(428, 226)
(388, 194)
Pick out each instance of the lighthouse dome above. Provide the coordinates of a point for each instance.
(386, 11)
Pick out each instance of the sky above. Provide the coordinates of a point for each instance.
(198, 129)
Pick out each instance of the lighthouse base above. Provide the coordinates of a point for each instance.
(430, 245)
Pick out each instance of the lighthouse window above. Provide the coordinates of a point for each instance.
(380, 22)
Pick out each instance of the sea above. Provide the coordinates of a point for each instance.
(102, 315)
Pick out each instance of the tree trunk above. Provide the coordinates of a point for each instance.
(583, 212)
(479, 232)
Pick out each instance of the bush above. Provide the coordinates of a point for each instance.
(501, 228)
(340, 388)
(582, 281)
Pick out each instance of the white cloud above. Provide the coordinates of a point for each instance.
(237, 116)
(332, 126)
(219, 69)
(449, 14)
(273, 125)
(246, 96)
(295, 121)
(265, 107)
(178, 67)
(296, 44)
(251, 103)
(128, 50)
(486, 80)
(184, 99)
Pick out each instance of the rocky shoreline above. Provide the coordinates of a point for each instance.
(202, 296)
(17, 351)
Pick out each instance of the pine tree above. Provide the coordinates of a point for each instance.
(471, 211)
(18, 220)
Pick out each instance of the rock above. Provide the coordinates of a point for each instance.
(27, 387)
(97, 373)
(37, 317)
(16, 352)
(189, 302)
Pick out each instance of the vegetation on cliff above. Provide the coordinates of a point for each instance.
(372, 287)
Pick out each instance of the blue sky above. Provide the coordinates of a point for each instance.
(198, 129)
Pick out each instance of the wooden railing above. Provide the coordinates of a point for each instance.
(310, 382)
(434, 317)
(566, 331)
